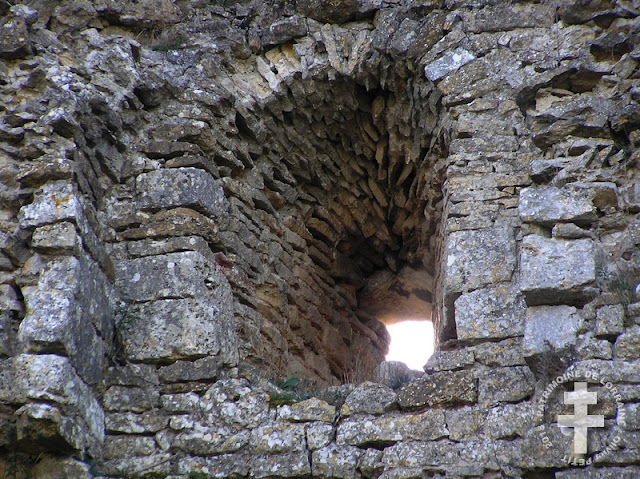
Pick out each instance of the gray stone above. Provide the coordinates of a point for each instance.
(369, 398)
(440, 389)
(570, 231)
(555, 271)
(509, 420)
(550, 327)
(589, 347)
(363, 431)
(284, 30)
(616, 371)
(448, 63)
(54, 201)
(50, 467)
(181, 371)
(132, 423)
(465, 423)
(547, 205)
(309, 410)
(14, 38)
(219, 467)
(293, 464)
(125, 446)
(173, 187)
(186, 274)
(182, 403)
(504, 353)
(57, 238)
(50, 378)
(119, 398)
(490, 313)
(477, 258)
(319, 435)
(449, 360)
(278, 437)
(629, 416)
(6, 335)
(328, 12)
(609, 320)
(336, 461)
(505, 385)
(629, 472)
(627, 345)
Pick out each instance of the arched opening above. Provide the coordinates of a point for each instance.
(403, 302)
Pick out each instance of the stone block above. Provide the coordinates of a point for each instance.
(505, 385)
(14, 38)
(294, 464)
(588, 347)
(547, 205)
(309, 410)
(55, 201)
(449, 360)
(629, 472)
(133, 423)
(57, 238)
(465, 423)
(194, 437)
(319, 435)
(509, 420)
(627, 345)
(179, 328)
(440, 389)
(44, 428)
(52, 379)
(51, 467)
(609, 320)
(363, 431)
(174, 187)
(490, 313)
(126, 446)
(6, 335)
(549, 328)
(336, 461)
(278, 437)
(476, 258)
(616, 371)
(448, 63)
(504, 353)
(394, 373)
(120, 398)
(369, 398)
(219, 467)
(181, 371)
(71, 304)
(556, 271)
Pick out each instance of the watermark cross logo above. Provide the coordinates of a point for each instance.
(580, 420)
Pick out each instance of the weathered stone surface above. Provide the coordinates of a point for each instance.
(173, 187)
(509, 420)
(443, 388)
(223, 466)
(490, 313)
(294, 464)
(309, 410)
(548, 205)
(61, 468)
(504, 353)
(119, 398)
(449, 360)
(51, 378)
(181, 371)
(556, 271)
(448, 63)
(478, 258)
(615, 371)
(465, 423)
(600, 473)
(132, 423)
(55, 201)
(394, 374)
(331, 11)
(319, 435)
(57, 238)
(369, 398)
(505, 385)
(374, 432)
(278, 437)
(550, 327)
(336, 461)
(14, 38)
(627, 345)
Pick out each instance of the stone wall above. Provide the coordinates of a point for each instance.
(197, 195)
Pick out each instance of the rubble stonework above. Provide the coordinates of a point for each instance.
(199, 195)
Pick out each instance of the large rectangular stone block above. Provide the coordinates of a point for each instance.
(477, 258)
(556, 271)
(547, 205)
(173, 187)
(550, 327)
(70, 311)
(490, 313)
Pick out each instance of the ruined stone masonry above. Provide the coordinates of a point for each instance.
(200, 196)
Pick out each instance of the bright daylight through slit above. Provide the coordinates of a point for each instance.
(411, 342)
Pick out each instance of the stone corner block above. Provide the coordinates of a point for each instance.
(173, 187)
(548, 328)
(547, 205)
(476, 258)
(557, 271)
